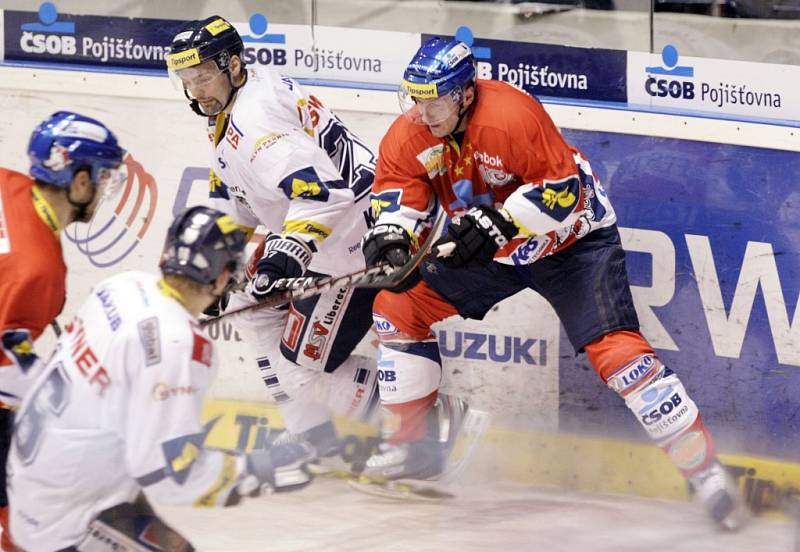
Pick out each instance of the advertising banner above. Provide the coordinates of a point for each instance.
(549, 70)
(300, 51)
(52, 37)
(712, 236)
(724, 87)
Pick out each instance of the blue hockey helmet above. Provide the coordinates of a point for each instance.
(67, 142)
(439, 67)
(201, 243)
(433, 83)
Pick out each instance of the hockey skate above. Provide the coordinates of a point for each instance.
(717, 490)
(388, 471)
(326, 445)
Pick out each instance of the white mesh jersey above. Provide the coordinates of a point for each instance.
(283, 160)
(116, 411)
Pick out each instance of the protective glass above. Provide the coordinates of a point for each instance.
(430, 112)
(192, 78)
(109, 180)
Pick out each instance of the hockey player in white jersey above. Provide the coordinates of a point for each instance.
(282, 160)
(117, 410)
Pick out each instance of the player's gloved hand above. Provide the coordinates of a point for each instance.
(284, 257)
(387, 242)
(390, 243)
(477, 235)
(218, 307)
(280, 468)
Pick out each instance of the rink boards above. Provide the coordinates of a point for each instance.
(706, 211)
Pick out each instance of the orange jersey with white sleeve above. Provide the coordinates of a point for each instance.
(32, 280)
(511, 156)
(117, 410)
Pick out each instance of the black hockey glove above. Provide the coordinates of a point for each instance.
(477, 235)
(218, 307)
(387, 242)
(283, 258)
(281, 468)
(390, 243)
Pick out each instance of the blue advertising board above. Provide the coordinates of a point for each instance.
(548, 70)
(51, 37)
(723, 221)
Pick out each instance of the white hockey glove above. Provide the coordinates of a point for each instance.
(284, 257)
(281, 468)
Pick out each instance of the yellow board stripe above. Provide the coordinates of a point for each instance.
(548, 459)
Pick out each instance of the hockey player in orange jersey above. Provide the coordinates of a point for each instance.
(527, 212)
(75, 161)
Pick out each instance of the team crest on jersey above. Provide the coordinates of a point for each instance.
(495, 177)
(433, 161)
(18, 346)
(385, 202)
(556, 199)
(305, 184)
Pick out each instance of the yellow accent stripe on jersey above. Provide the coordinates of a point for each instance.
(182, 60)
(228, 476)
(45, 210)
(217, 26)
(454, 144)
(308, 227)
(170, 291)
(220, 124)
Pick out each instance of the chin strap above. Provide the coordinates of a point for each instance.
(463, 113)
(195, 105)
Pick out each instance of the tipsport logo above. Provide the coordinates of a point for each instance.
(674, 81)
(118, 227)
(256, 50)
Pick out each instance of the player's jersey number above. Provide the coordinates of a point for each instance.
(50, 399)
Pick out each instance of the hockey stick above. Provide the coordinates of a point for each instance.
(382, 275)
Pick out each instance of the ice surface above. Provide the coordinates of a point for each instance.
(329, 516)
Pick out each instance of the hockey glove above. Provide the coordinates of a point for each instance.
(387, 242)
(283, 258)
(390, 243)
(477, 236)
(281, 468)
